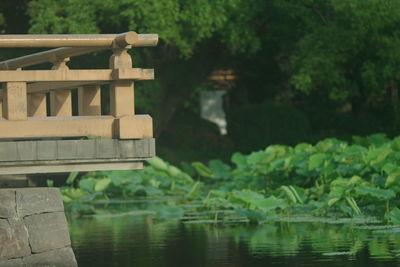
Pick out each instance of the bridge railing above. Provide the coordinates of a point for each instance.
(25, 94)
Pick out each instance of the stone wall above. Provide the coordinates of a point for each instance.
(34, 229)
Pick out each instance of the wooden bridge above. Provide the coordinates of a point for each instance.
(39, 132)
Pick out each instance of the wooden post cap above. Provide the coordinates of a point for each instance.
(125, 39)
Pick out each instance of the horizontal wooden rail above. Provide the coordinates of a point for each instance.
(142, 40)
(76, 75)
(78, 40)
(44, 87)
(128, 127)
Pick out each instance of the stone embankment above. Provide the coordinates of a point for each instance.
(34, 229)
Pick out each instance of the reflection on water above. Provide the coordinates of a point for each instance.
(141, 241)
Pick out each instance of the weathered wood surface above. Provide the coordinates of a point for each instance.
(15, 106)
(45, 87)
(78, 40)
(75, 75)
(77, 126)
(143, 40)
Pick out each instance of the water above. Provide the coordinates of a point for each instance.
(140, 240)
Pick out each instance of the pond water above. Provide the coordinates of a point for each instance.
(140, 240)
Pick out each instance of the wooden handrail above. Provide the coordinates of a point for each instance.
(142, 40)
(70, 79)
(24, 101)
(78, 40)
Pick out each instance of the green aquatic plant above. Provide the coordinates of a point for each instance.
(330, 178)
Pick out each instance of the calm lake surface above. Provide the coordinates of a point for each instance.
(140, 240)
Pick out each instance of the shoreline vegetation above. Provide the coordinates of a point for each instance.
(331, 181)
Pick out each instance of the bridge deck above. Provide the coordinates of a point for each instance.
(52, 156)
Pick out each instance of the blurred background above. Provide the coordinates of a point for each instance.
(238, 75)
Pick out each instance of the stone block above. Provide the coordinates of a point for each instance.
(126, 148)
(8, 205)
(146, 147)
(27, 150)
(8, 151)
(140, 148)
(12, 263)
(47, 231)
(152, 147)
(67, 149)
(46, 150)
(63, 257)
(38, 200)
(13, 239)
(106, 148)
(86, 149)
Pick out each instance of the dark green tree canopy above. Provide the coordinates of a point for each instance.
(349, 48)
(183, 23)
(324, 58)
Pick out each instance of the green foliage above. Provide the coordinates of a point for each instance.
(158, 179)
(394, 216)
(183, 23)
(348, 48)
(330, 177)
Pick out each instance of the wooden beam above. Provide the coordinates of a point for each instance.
(15, 101)
(76, 126)
(101, 126)
(122, 102)
(74, 40)
(72, 75)
(138, 125)
(45, 87)
(142, 40)
(89, 103)
(37, 106)
(118, 74)
(125, 73)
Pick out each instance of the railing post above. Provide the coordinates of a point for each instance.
(122, 101)
(89, 103)
(61, 100)
(15, 101)
(37, 106)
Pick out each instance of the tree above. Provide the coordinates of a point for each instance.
(349, 50)
(326, 58)
(196, 37)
